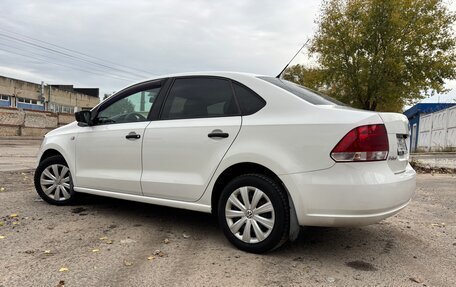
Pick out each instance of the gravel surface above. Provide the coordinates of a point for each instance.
(436, 159)
(108, 242)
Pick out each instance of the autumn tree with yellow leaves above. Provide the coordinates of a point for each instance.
(381, 54)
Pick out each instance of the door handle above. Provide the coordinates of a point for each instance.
(133, 135)
(218, 134)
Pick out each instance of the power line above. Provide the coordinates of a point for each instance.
(48, 57)
(77, 52)
(65, 54)
(59, 64)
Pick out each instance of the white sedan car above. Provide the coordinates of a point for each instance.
(264, 155)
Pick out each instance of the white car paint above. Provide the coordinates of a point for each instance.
(289, 136)
(171, 177)
(103, 161)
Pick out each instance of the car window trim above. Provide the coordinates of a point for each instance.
(171, 84)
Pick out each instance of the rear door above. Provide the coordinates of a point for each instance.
(199, 121)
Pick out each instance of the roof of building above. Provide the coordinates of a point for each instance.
(92, 92)
(426, 108)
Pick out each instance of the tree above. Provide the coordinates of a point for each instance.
(310, 77)
(121, 107)
(381, 54)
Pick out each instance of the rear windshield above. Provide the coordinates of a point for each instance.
(304, 93)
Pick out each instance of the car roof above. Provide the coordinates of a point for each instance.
(226, 74)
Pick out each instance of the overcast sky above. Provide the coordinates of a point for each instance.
(135, 40)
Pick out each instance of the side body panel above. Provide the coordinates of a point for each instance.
(106, 160)
(179, 158)
(289, 136)
(63, 140)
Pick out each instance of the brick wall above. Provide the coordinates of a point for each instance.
(18, 122)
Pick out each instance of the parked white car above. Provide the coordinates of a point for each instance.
(262, 154)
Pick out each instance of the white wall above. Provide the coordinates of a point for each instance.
(437, 131)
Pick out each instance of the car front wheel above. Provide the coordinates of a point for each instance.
(253, 212)
(53, 181)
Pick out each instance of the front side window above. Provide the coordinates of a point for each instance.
(132, 108)
(200, 98)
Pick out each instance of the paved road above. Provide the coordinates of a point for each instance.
(107, 242)
(18, 153)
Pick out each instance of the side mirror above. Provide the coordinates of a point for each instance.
(83, 117)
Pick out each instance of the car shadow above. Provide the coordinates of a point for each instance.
(358, 248)
(313, 242)
(137, 211)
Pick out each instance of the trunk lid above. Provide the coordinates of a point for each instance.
(397, 127)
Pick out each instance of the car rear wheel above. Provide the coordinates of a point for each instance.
(53, 181)
(253, 211)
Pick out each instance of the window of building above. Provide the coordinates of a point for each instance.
(4, 100)
(57, 108)
(67, 109)
(52, 107)
(24, 103)
(28, 101)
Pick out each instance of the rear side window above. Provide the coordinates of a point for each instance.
(304, 93)
(249, 102)
(199, 98)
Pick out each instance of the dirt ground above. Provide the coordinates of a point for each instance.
(17, 153)
(108, 242)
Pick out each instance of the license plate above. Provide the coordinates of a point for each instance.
(401, 146)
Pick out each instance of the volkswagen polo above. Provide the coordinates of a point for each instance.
(264, 155)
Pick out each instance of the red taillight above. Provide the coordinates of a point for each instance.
(364, 143)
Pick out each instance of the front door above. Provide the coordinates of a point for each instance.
(108, 154)
(181, 151)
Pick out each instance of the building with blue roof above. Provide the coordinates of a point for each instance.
(413, 114)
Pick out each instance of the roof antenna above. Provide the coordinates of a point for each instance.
(279, 75)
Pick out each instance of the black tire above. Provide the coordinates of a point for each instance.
(53, 160)
(279, 200)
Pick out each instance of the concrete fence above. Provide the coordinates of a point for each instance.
(19, 122)
(438, 131)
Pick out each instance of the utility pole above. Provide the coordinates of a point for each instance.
(50, 88)
(42, 98)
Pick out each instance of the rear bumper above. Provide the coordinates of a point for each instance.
(350, 194)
